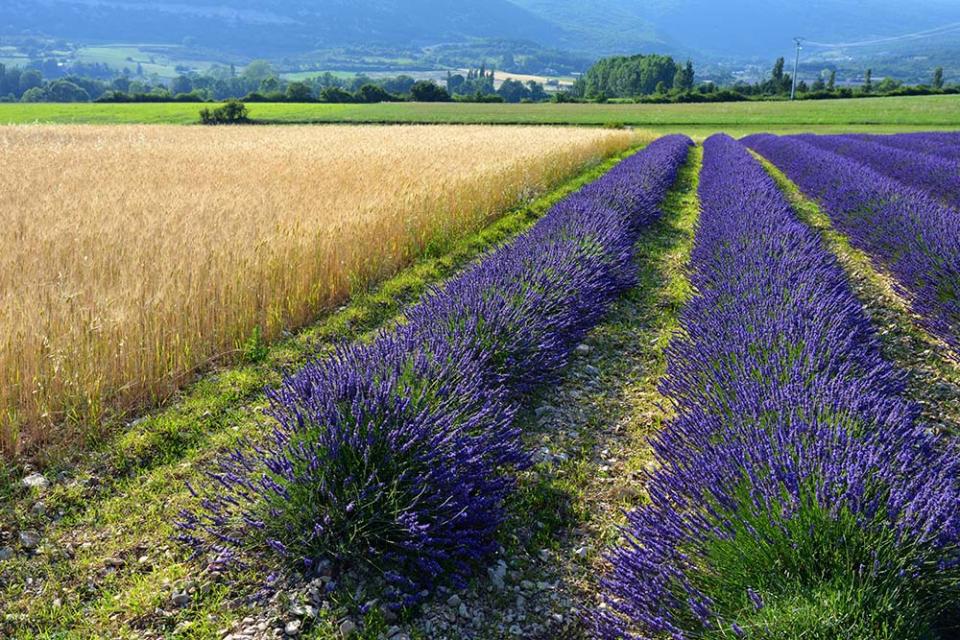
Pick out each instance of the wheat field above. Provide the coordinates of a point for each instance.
(132, 256)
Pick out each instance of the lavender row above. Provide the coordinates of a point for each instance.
(944, 145)
(938, 177)
(400, 453)
(794, 476)
(903, 230)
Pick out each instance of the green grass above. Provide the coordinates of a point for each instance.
(154, 59)
(632, 340)
(878, 114)
(306, 75)
(120, 501)
(821, 575)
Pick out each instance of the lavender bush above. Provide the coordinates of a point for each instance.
(904, 231)
(399, 453)
(945, 145)
(796, 494)
(937, 177)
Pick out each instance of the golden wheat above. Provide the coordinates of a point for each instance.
(130, 256)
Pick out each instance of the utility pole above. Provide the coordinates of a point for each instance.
(796, 64)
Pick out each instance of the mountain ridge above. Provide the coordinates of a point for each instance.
(703, 29)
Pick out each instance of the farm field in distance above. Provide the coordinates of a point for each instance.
(152, 252)
(875, 115)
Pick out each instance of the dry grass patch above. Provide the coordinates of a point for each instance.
(132, 256)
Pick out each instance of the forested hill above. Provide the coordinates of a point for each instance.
(740, 27)
(273, 28)
(276, 26)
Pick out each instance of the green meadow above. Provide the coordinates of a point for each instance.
(872, 114)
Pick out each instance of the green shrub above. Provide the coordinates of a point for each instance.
(231, 112)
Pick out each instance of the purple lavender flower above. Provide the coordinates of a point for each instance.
(792, 459)
(938, 177)
(903, 230)
(944, 145)
(399, 453)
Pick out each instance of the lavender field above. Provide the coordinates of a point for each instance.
(705, 391)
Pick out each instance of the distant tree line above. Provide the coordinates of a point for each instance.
(660, 79)
(640, 78)
(479, 85)
(29, 85)
(629, 76)
(259, 82)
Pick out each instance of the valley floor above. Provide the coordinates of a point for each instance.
(877, 115)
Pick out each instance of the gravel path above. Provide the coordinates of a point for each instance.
(589, 433)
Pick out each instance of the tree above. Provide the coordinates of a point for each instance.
(938, 78)
(327, 80)
(51, 68)
(426, 91)
(683, 79)
(66, 91)
(270, 84)
(36, 94)
(258, 71)
(661, 88)
(786, 84)
(181, 84)
(335, 95)
(777, 74)
(887, 85)
(477, 81)
(626, 76)
(371, 93)
(868, 81)
(779, 81)
(121, 84)
(679, 80)
(537, 92)
(358, 81)
(513, 91)
(832, 82)
(454, 82)
(299, 92)
(30, 79)
(399, 85)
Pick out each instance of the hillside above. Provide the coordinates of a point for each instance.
(563, 34)
(739, 29)
(272, 28)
